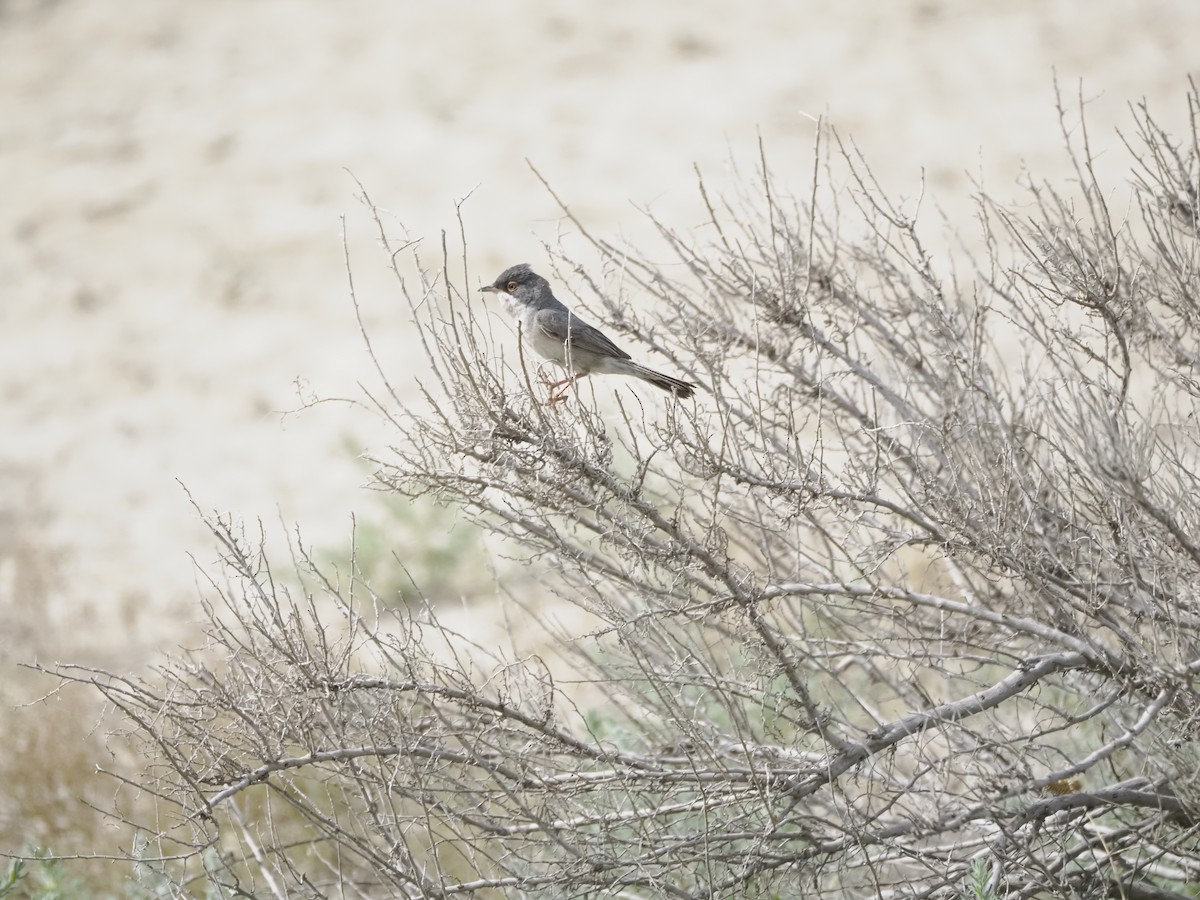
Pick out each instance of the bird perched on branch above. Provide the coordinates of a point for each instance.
(555, 333)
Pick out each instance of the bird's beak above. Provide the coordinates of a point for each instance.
(489, 289)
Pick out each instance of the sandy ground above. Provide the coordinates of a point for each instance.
(174, 177)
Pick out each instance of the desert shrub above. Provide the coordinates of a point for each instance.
(904, 604)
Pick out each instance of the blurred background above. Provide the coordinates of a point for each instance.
(172, 287)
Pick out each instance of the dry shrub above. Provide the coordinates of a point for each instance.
(906, 600)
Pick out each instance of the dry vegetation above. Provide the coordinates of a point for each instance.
(905, 604)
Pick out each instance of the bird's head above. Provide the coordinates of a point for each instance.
(519, 284)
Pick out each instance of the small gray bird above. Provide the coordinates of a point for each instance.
(554, 332)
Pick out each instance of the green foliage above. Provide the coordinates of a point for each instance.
(408, 548)
(16, 871)
(143, 878)
(48, 879)
(977, 881)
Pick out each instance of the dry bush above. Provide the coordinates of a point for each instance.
(906, 600)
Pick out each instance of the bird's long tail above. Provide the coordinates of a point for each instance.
(682, 389)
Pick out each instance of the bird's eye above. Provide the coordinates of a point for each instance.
(511, 286)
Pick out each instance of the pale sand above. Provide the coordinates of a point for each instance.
(170, 257)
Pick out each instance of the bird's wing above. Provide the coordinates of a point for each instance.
(564, 327)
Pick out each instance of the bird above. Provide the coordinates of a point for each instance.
(555, 333)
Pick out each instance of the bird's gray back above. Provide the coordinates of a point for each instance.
(559, 324)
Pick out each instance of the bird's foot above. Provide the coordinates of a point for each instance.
(562, 387)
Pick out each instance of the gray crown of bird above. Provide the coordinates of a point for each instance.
(555, 333)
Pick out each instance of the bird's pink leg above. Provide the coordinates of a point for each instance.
(556, 395)
(565, 384)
